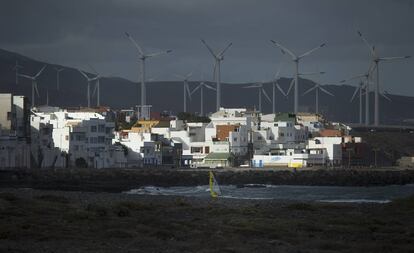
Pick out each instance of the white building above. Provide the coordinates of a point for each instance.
(14, 132)
(142, 149)
(82, 139)
(332, 147)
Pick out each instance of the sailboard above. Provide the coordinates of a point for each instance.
(214, 186)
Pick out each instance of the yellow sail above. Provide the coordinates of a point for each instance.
(214, 188)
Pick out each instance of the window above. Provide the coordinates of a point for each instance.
(207, 150)
(93, 128)
(235, 139)
(196, 149)
(101, 139)
(259, 138)
(9, 115)
(108, 130)
(101, 128)
(281, 134)
(66, 137)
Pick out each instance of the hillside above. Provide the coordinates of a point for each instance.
(167, 95)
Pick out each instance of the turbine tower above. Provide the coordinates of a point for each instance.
(34, 83)
(201, 86)
(275, 85)
(186, 89)
(218, 57)
(296, 59)
(88, 91)
(376, 59)
(143, 56)
(261, 89)
(58, 70)
(97, 89)
(317, 88)
(16, 68)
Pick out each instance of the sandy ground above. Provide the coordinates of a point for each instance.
(73, 221)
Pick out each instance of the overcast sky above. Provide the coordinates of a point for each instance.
(79, 32)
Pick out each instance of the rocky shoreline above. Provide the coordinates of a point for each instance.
(118, 180)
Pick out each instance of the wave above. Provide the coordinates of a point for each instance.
(356, 201)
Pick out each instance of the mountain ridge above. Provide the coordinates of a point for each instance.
(118, 92)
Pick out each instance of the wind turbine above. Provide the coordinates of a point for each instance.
(296, 59)
(317, 88)
(97, 89)
(58, 70)
(261, 89)
(303, 74)
(376, 59)
(359, 90)
(89, 80)
(16, 68)
(34, 83)
(366, 77)
(275, 85)
(143, 57)
(186, 89)
(218, 57)
(201, 86)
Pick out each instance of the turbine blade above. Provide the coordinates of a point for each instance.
(188, 91)
(40, 72)
(312, 73)
(225, 49)
(394, 58)
(159, 53)
(311, 89)
(93, 69)
(284, 49)
(253, 86)
(135, 43)
(189, 75)
(279, 69)
(327, 92)
(266, 95)
(290, 86)
(355, 92)
(214, 70)
(26, 76)
(210, 87)
(280, 89)
(209, 48)
(84, 74)
(37, 90)
(312, 50)
(385, 96)
(352, 78)
(94, 89)
(196, 88)
(371, 48)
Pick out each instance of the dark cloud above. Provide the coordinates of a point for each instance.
(92, 31)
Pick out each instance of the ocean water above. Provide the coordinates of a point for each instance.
(374, 194)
